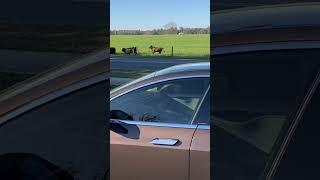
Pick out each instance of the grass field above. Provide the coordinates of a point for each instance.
(183, 45)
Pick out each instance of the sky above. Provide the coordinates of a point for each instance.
(152, 14)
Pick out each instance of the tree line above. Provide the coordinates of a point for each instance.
(170, 28)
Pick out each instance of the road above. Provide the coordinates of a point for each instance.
(153, 64)
(35, 62)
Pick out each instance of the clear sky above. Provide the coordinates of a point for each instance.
(151, 14)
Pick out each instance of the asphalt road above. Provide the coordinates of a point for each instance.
(152, 64)
(36, 62)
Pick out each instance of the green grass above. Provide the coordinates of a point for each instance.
(183, 45)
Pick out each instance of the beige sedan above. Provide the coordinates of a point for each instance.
(159, 127)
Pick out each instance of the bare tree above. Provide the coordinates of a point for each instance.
(171, 27)
(181, 29)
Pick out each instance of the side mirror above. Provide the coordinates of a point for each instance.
(117, 127)
(127, 130)
(115, 124)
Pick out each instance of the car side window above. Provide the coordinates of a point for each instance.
(255, 95)
(203, 114)
(173, 101)
(301, 159)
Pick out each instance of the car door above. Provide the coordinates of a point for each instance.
(153, 137)
(200, 145)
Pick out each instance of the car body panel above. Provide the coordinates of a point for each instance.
(266, 17)
(289, 45)
(261, 25)
(140, 159)
(136, 158)
(265, 36)
(53, 80)
(200, 155)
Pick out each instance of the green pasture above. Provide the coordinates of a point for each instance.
(183, 45)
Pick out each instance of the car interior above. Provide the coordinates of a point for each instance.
(172, 102)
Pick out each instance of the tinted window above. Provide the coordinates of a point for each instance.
(203, 115)
(254, 96)
(69, 132)
(171, 101)
(301, 160)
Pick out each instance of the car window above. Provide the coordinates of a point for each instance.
(173, 101)
(301, 160)
(60, 132)
(203, 114)
(255, 94)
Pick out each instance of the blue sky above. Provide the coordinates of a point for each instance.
(150, 14)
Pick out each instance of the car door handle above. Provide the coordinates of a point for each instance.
(165, 142)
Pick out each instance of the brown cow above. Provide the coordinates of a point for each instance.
(156, 49)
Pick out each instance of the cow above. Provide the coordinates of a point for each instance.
(132, 50)
(156, 49)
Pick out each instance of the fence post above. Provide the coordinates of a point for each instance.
(171, 50)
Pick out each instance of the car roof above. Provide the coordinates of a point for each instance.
(266, 24)
(87, 66)
(266, 17)
(190, 67)
(183, 70)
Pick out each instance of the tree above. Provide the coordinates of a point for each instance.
(181, 29)
(171, 27)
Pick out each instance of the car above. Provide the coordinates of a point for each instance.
(54, 124)
(160, 125)
(265, 104)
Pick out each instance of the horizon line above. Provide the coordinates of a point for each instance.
(157, 29)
